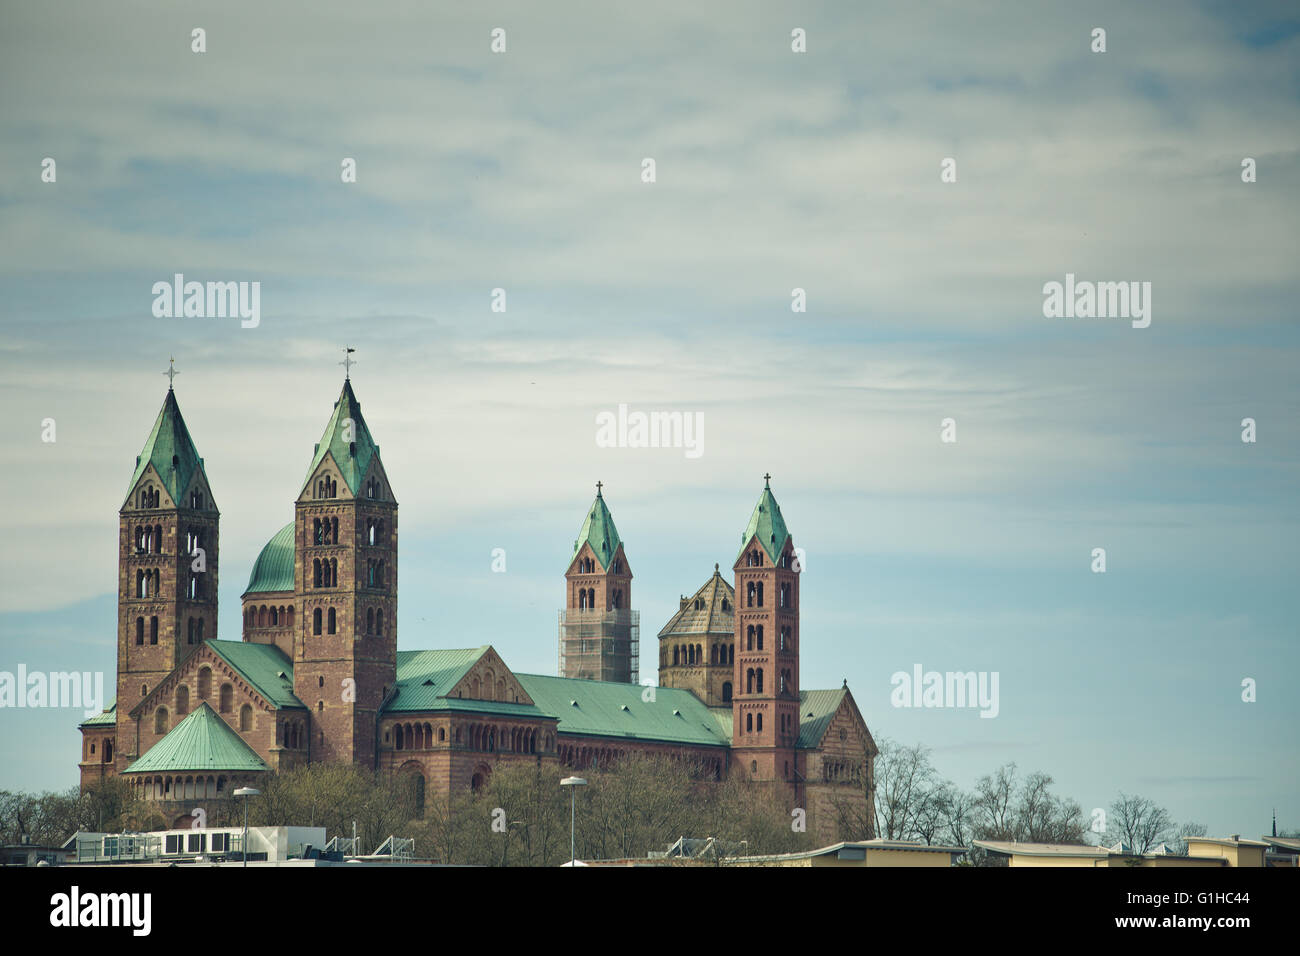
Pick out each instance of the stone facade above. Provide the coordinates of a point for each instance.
(333, 694)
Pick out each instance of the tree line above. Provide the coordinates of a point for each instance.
(639, 804)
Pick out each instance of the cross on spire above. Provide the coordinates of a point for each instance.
(599, 485)
(171, 373)
(348, 362)
(767, 480)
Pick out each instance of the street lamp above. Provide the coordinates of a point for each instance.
(573, 798)
(245, 792)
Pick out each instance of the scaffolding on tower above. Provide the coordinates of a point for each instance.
(601, 645)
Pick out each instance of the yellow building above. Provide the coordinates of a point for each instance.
(860, 853)
(1201, 852)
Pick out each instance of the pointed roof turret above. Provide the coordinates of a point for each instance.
(350, 444)
(598, 530)
(170, 450)
(767, 524)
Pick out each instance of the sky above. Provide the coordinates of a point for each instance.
(774, 170)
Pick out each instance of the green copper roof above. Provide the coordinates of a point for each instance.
(107, 718)
(816, 708)
(599, 530)
(202, 741)
(273, 569)
(170, 450)
(608, 709)
(425, 677)
(353, 466)
(766, 522)
(261, 665)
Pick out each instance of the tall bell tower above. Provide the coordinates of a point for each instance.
(345, 582)
(765, 709)
(167, 565)
(600, 634)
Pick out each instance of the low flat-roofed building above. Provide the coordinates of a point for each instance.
(1282, 851)
(1233, 849)
(859, 853)
(1202, 852)
(28, 854)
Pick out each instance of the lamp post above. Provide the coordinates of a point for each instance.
(573, 800)
(245, 792)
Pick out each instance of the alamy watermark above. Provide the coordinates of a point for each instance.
(55, 689)
(1098, 300)
(212, 300)
(626, 429)
(946, 689)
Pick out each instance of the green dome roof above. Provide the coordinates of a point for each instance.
(273, 569)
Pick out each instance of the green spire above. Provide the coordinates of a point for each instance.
(352, 457)
(766, 524)
(599, 530)
(202, 741)
(170, 450)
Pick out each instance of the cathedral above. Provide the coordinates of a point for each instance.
(317, 674)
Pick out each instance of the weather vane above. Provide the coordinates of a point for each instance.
(171, 373)
(348, 362)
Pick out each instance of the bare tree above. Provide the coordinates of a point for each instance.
(1185, 831)
(1139, 822)
(906, 786)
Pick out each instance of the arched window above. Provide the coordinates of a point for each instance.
(288, 616)
(690, 654)
(160, 720)
(315, 621)
(334, 530)
(760, 637)
(582, 599)
(227, 698)
(749, 723)
(760, 593)
(749, 594)
(713, 653)
(749, 681)
(246, 718)
(760, 723)
(591, 598)
(749, 638)
(379, 622)
(676, 656)
(726, 691)
(182, 700)
(205, 683)
(331, 621)
(334, 572)
(370, 620)
(760, 681)
(315, 573)
(139, 630)
(153, 629)
(731, 653)
(275, 617)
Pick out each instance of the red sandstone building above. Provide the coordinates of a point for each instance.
(317, 675)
